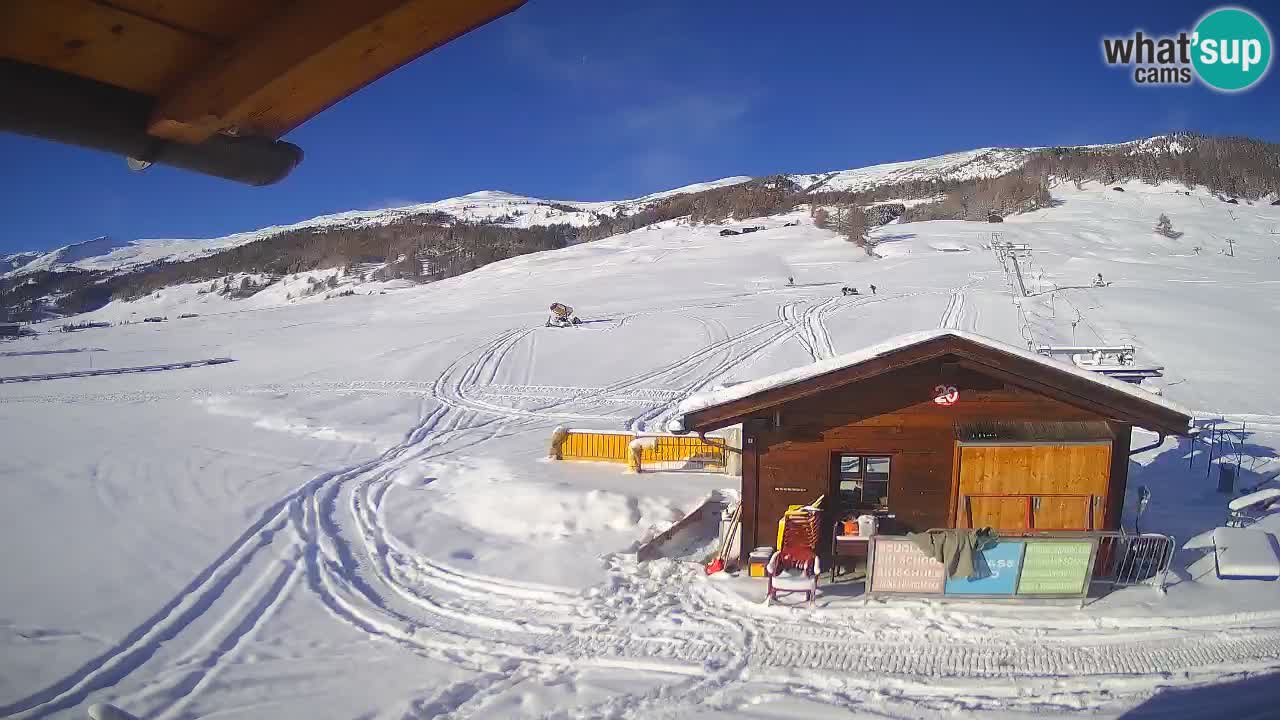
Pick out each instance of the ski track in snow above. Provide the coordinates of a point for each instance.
(329, 537)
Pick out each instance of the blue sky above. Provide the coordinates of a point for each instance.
(607, 100)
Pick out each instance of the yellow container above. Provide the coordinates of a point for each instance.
(757, 561)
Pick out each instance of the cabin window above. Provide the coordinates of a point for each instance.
(864, 481)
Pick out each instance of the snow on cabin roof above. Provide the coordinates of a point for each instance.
(708, 399)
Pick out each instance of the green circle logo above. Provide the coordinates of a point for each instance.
(1231, 49)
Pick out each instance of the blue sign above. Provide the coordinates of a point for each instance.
(997, 571)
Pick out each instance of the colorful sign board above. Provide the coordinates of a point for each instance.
(1056, 567)
(997, 572)
(901, 567)
(1014, 568)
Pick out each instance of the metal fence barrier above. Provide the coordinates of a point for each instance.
(1124, 559)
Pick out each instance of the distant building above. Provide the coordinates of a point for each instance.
(10, 329)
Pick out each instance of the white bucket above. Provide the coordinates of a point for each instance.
(866, 525)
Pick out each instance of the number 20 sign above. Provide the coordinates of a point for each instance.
(945, 395)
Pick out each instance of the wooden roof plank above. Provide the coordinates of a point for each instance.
(99, 42)
(306, 57)
(219, 20)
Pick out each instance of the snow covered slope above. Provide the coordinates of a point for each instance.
(981, 163)
(16, 260)
(354, 518)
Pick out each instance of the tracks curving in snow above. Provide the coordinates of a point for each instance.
(329, 538)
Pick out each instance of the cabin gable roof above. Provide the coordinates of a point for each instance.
(1095, 393)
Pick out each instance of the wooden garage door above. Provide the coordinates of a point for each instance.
(1052, 487)
(996, 511)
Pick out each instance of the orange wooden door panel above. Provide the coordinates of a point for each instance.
(1070, 512)
(999, 512)
(1079, 469)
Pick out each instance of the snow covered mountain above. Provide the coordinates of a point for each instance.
(16, 260)
(436, 240)
(486, 206)
(510, 210)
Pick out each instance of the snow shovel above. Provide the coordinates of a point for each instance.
(717, 564)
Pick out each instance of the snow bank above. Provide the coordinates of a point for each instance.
(485, 494)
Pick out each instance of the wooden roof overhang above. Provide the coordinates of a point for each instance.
(1094, 396)
(207, 85)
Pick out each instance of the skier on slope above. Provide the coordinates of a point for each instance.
(873, 289)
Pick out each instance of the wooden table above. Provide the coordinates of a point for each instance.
(847, 546)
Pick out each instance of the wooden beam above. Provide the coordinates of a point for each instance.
(307, 56)
(750, 493)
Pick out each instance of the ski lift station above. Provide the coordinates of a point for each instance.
(934, 431)
(1118, 361)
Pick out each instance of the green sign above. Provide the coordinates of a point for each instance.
(1055, 567)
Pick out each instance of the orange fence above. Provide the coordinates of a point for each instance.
(596, 445)
(658, 451)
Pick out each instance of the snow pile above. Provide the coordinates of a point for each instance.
(486, 495)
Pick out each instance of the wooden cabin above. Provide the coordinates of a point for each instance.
(938, 429)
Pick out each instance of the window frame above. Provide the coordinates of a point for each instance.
(862, 479)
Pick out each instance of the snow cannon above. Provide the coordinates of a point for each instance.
(562, 316)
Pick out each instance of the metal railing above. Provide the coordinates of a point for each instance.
(1124, 559)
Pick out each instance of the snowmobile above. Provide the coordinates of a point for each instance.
(562, 316)
(849, 290)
